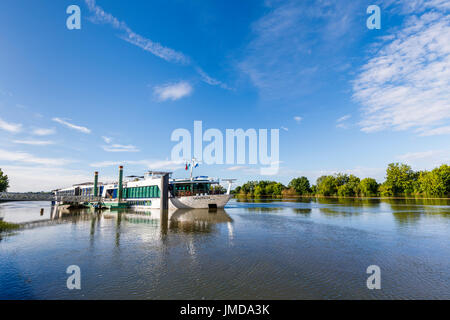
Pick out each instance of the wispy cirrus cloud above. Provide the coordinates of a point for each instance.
(340, 123)
(43, 131)
(30, 178)
(288, 54)
(10, 127)
(120, 148)
(168, 54)
(34, 142)
(434, 132)
(172, 91)
(406, 85)
(149, 164)
(146, 44)
(72, 126)
(107, 139)
(19, 156)
(425, 159)
(211, 81)
(236, 168)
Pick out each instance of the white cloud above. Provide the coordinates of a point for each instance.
(43, 132)
(343, 118)
(100, 16)
(406, 85)
(104, 164)
(107, 139)
(155, 48)
(10, 127)
(34, 142)
(72, 126)
(19, 156)
(173, 91)
(340, 123)
(288, 54)
(414, 6)
(236, 168)
(284, 128)
(211, 81)
(425, 159)
(35, 179)
(298, 119)
(435, 131)
(120, 148)
(149, 164)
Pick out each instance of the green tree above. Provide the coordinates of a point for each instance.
(385, 190)
(4, 181)
(368, 187)
(278, 189)
(259, 191)
(327, 185)
(350, 188)
(435, 183)
(341, 179)
(300, 185)
(400, 179)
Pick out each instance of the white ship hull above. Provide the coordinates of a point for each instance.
(199, 202)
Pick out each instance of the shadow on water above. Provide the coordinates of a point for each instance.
(410, 211)
(304, 211)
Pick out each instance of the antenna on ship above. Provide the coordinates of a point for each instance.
(193, 164)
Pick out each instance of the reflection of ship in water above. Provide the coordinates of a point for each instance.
(148, 225)
(185, 220)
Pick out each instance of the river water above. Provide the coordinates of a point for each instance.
(271, 249)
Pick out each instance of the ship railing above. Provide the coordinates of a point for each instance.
(78, 198)
(197, 193)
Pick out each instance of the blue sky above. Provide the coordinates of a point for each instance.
(344, 97)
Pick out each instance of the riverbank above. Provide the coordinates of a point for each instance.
(6, 226)
(240, 196)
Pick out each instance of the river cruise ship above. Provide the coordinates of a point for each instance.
(144, 192)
